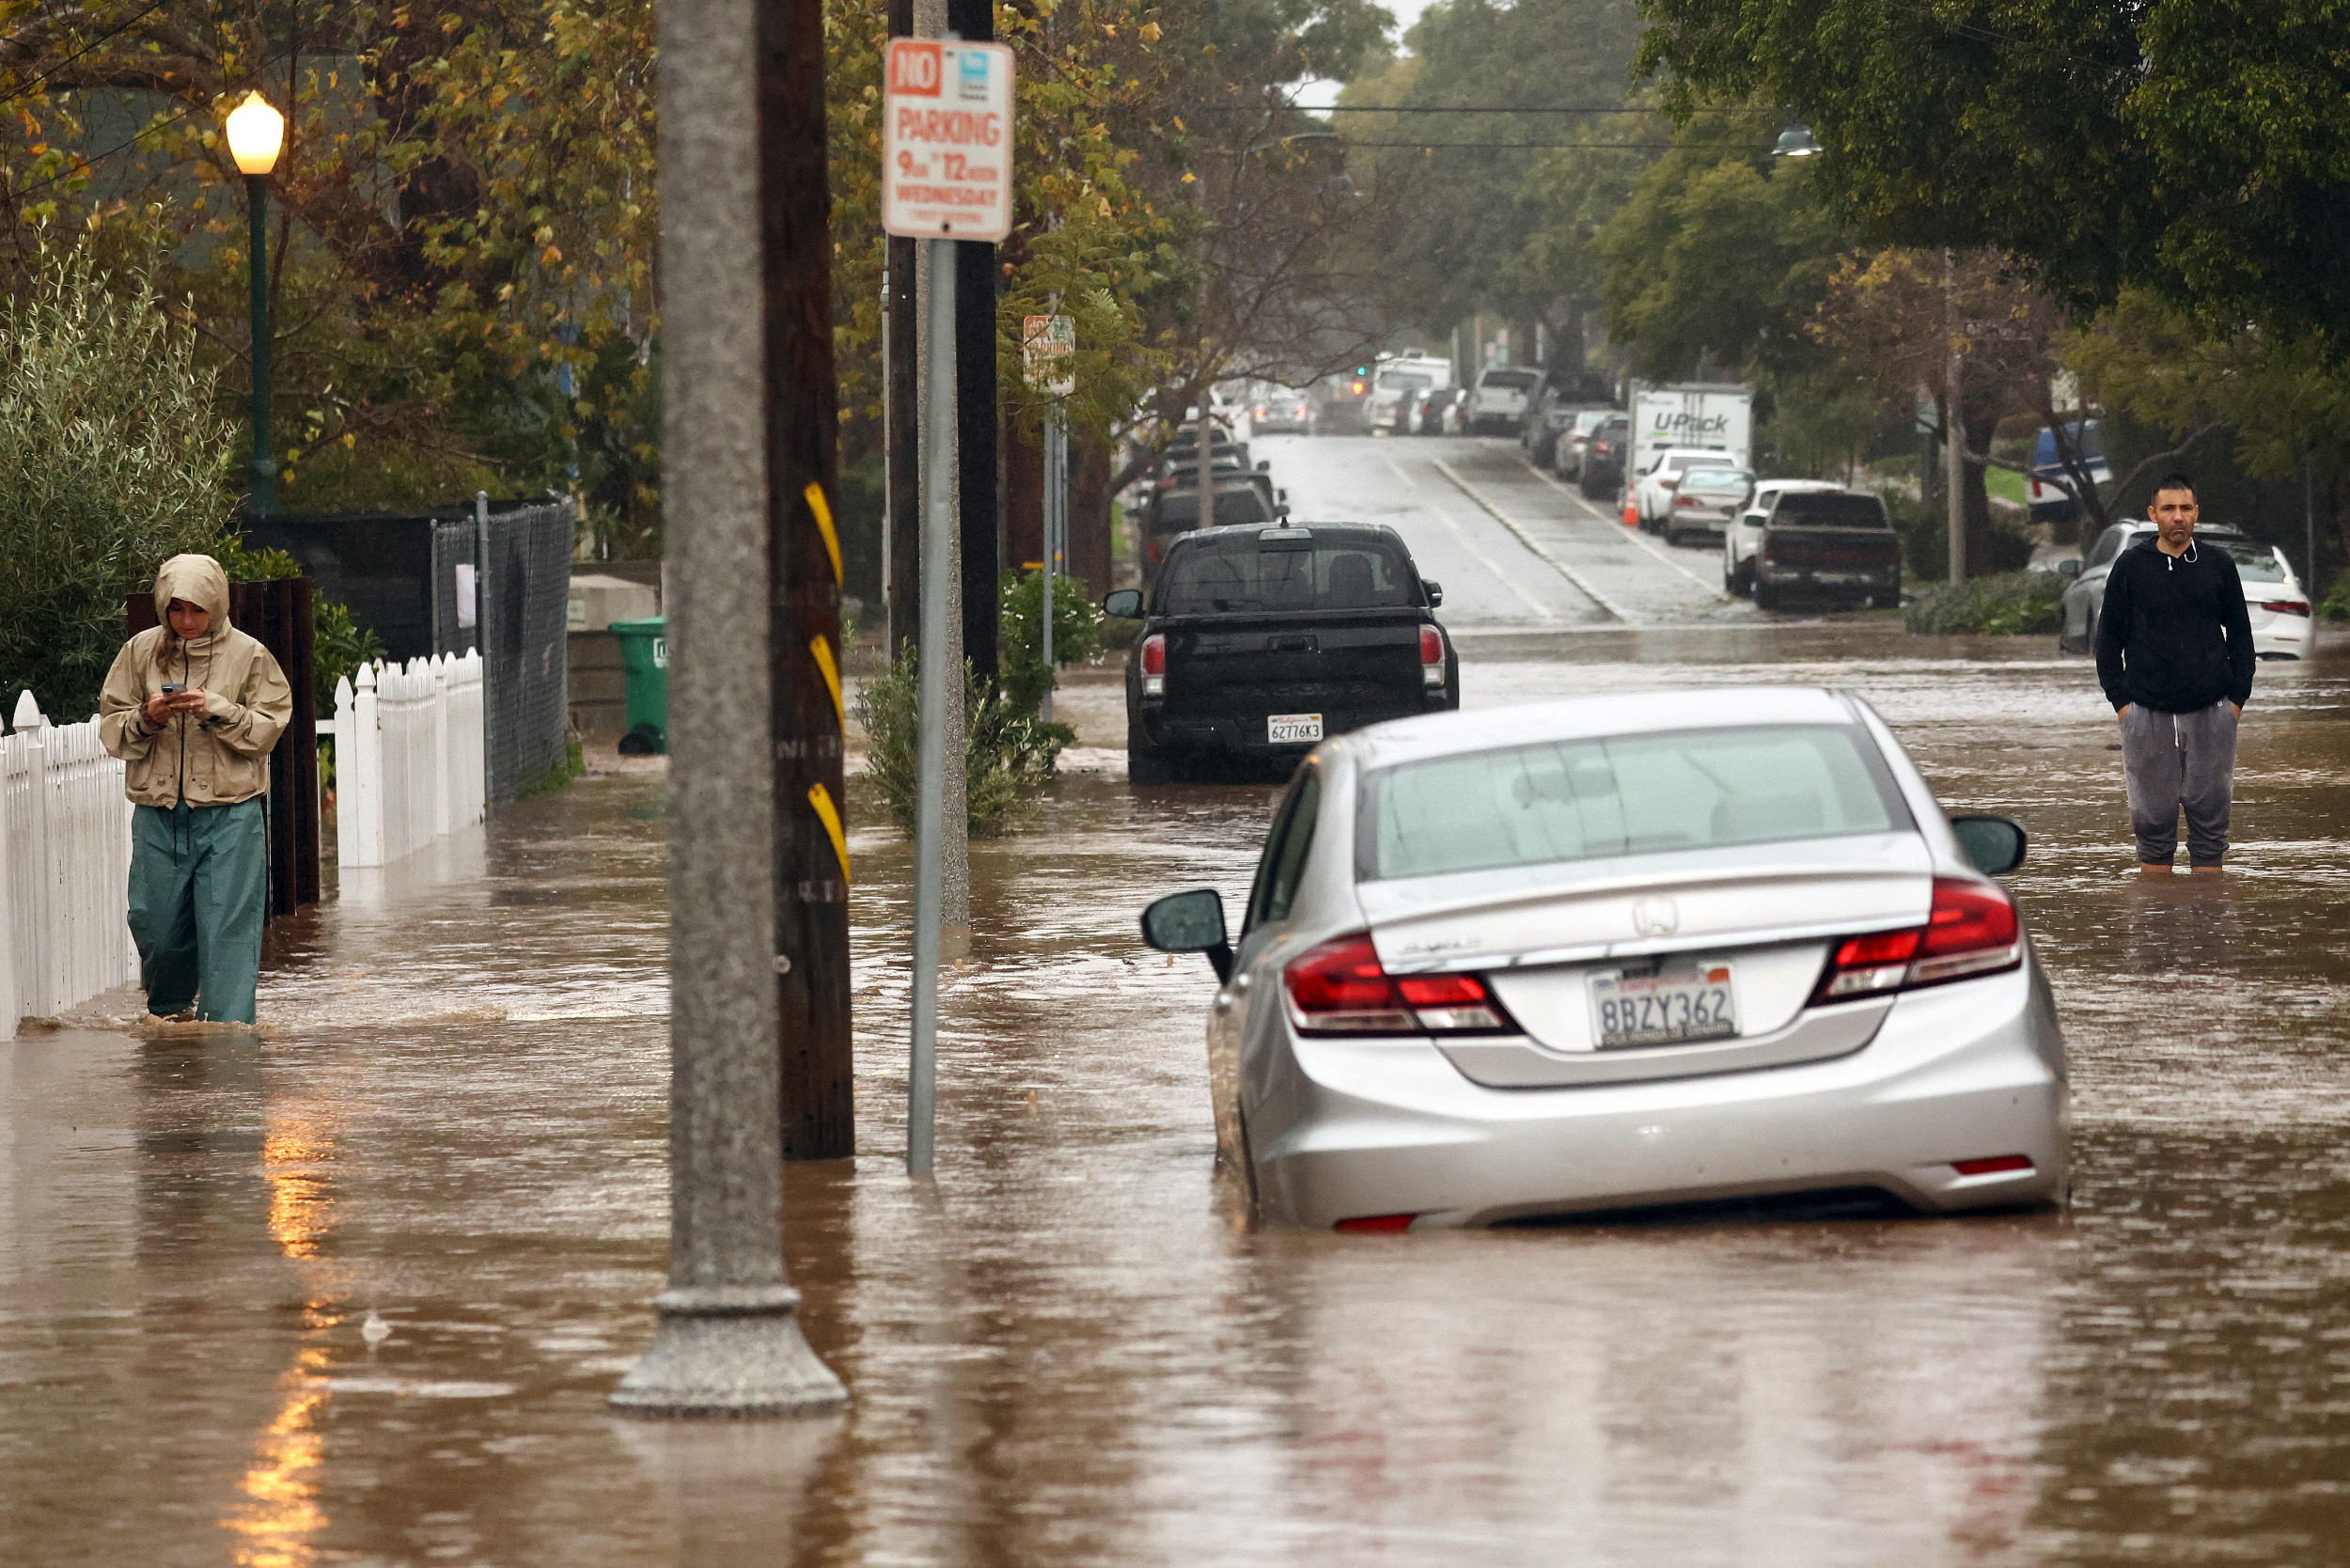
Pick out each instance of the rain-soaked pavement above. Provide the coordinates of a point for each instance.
(1068, 1349)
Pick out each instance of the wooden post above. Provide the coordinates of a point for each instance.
(816, 1097)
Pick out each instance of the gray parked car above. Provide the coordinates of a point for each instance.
(1625, 951)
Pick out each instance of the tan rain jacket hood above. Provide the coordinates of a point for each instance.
(217, 758)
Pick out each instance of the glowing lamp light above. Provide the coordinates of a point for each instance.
(256, 133)
(1796, 141)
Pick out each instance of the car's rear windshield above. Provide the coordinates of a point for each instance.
(1718, 479)
(2256, 563)
(1815, 509)
(1181, 508)
(1517, 380)
(1627, 794)
(1223, 577)
(1398, 380)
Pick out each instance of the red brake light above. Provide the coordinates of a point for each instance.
(1375, 1224)
(1154, 665)
(1340, 988)
(1430, 656)
(1687, 501)
(1971, 929)
(1992, 1166)
(2286, 607)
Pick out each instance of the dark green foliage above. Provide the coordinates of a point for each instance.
(1019, 637)
(1925, 531)
(1008, 755)
(2192, 146)
(2014, 604)
(111, 458)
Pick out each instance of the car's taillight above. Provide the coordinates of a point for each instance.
(1340, 988)
(2286, 607)
(1430, 656)
(1687, 501)
(1971, 929)
(1150, 551)
(1154, 666)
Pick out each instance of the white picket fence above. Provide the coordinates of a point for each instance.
(408, 757)
(64, 869)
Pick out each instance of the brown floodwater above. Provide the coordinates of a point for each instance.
(1069, 1348)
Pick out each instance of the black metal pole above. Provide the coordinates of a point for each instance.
(904, 562)
(264, 472)
(977, 428)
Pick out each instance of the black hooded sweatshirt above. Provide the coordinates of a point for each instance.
(2173, 634)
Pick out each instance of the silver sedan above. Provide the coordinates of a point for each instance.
(1621, 952)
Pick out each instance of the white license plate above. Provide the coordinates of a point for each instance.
(1671, 1008)
(1290, 729)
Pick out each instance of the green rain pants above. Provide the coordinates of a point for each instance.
(197, 876)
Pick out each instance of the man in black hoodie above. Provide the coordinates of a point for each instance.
(2175, 652)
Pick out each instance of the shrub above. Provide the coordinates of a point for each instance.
(2014, 604)
(111, 458)
(1008, 754)
(1020, 633)
(1925, 531)
(2337, 605)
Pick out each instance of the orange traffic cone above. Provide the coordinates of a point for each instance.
(1631, 512)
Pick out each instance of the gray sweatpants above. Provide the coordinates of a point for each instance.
(2174, 762)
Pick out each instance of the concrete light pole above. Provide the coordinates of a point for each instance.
(256, 133)
(727, 1341)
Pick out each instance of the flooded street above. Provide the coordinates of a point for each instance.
(1070, 1348)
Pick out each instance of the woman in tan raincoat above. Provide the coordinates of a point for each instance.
(193, 707)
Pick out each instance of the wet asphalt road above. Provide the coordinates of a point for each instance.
(1069, 1348)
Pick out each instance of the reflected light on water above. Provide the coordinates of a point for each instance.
(293, 1158)
(280, 1515)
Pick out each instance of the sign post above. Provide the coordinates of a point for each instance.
(947, 121)
(1050, 346)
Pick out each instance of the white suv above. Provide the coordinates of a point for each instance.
(1742, 537)
(1500, 399)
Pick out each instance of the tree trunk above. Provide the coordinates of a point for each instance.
(1023, 500)
(1090, 514)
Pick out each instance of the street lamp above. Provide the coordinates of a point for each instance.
(1796, 141)
(256, 133)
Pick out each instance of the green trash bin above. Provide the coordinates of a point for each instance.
(645, 666)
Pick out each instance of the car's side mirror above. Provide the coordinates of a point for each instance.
(1265, 466)
(1191, 922)
(2069, 569)
(1435, 591)
(1125, 604)
(1994, 845)
(1282, 497)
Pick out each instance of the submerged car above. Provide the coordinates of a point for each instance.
(2275, 601)
(1626, 952)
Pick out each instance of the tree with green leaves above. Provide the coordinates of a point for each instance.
(2192, 149)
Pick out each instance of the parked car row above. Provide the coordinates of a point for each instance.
(1240, 493)
(2275, 600)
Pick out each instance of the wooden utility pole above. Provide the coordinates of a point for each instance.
(816, 1098)
(902, 561)
(977, 430)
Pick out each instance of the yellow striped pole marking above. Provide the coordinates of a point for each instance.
(822, 651)
(815, 494)
(822, 799)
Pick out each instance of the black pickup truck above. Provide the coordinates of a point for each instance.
(1828, 545)
(1257, 642)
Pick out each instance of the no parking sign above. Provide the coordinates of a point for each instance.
(947, 140)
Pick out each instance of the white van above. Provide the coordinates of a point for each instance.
(1398, 379)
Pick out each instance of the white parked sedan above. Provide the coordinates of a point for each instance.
(1705, 503)
(1626, 952)
(1653, 494)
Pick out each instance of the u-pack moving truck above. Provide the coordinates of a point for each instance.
(1716, 415)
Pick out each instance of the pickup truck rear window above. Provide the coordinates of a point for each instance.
(1180, 509)
(1803, 511)
(1229, 576)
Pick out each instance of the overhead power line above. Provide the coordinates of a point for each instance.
(100, 41)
